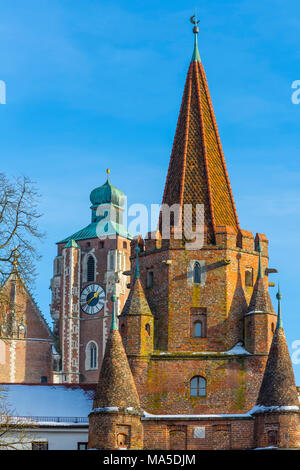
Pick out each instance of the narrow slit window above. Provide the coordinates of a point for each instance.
(197, 273)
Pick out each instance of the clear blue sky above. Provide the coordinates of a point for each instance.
(97, 84)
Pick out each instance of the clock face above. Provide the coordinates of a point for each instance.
(92, 299)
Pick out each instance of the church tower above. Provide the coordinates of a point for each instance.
(87, 265)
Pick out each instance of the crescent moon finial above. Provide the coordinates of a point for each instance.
(195, 22)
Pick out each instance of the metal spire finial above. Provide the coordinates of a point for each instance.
(260, 271)
(196, 55)
(137, 273)
(107, 172)
(279, 319)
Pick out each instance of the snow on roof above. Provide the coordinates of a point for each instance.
(264, 409)
(237, 350)
(49, 400)
(148, 416)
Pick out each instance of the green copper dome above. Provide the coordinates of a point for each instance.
(107, 194)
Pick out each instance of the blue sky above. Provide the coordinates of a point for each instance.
(97, 84)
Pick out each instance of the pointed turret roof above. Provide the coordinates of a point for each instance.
(72, 244)
(136, 303)
(278, 388)
(260, 300)
(197, 171)
(116, 387)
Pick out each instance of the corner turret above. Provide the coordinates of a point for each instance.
(114, 422)
(277, 419)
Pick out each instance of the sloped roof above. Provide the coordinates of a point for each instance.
(50, 401)
(136, 303)
(260, 299)
(34, 304)
(116, 387)
(94, 230)
(278, 388)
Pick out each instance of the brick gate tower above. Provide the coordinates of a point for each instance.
(208, 302)
(87, 265)
(198, 323)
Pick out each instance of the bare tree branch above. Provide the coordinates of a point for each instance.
(19, 230)
(15, 432)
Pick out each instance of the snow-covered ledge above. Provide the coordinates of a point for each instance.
(150, 417)
(237, 350)
(274, 409)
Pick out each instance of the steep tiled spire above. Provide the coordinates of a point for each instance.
(116, 387)
(197, 171)
(260, 300)
(278, 386)
(136, 303)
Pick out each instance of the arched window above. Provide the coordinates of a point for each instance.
(198, 387)
(197, 273)
(198, 330)
(91, 356)
(90, 269)
(148, 329)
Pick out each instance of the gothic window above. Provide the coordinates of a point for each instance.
(148, 329)
(90, 269)
(198, 387)
(91, 356)
(273, 327)
(197, 273)
(150, 279)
